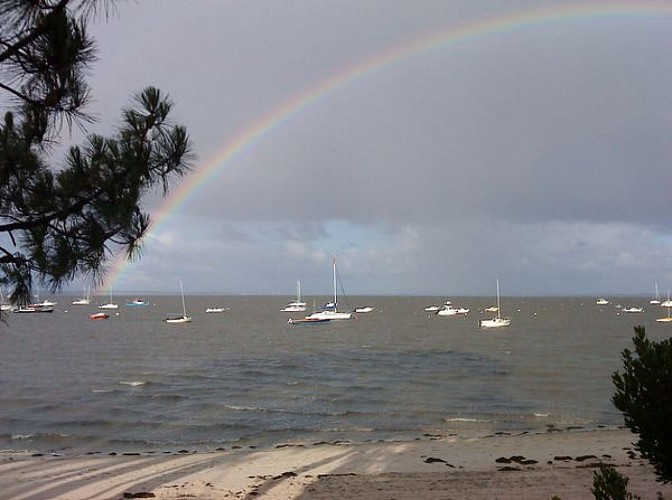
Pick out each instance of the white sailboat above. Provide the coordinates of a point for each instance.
(84, 300)
(668, 302)
(665, 319)
(329, 311)
(656, 297)
(110, 304)
(184, 318)
(497, 321)
(4, 305)
(46, 306)
(295, 305)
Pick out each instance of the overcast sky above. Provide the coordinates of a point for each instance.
(540, 155)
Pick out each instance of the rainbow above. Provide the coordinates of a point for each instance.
(255, 132)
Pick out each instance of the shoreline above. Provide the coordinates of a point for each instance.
(505, 466)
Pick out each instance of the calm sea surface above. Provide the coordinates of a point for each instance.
(246, 378)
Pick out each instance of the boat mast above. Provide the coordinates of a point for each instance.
(499, 307)
(184, 307)
(335, 299)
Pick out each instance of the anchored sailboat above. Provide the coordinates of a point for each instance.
(497, 321)
(656, 298)
(184, 318)
(84, 300)
(110, 305)
(295, 305)
(329, 311)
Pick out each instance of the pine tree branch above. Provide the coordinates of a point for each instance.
(33, 35)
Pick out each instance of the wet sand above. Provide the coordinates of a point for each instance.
(535, 466)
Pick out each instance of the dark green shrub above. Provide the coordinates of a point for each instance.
(644, 396)
(609, 484)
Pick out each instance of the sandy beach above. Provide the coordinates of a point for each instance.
(436, 467)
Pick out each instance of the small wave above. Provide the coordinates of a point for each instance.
(466, 420)
(133, 383)
(102, 391)
(244, 408)
(22, 437)
(302, 412)
(47, 435)
(169, 397)
(358, 430)
(542, 415)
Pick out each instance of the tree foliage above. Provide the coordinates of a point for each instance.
(609, 484)
(644, 396)
(58, 221)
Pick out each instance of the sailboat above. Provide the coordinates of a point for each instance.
(110, 304)
(656, 297)
(497, 321)
(329, 311)
(184, 318)
(46, 306)
(84, 300)
(295, 305)
(666, 319)
(668, 302)
(4, 306)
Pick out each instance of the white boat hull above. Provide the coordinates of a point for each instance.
(364, 310)
(306, 321)
(183, 319)
(451, 311)
(494, 322)
(294, 308)
(109, 306)
(137, 303)
(215, 309)
(330, 315)
(34, 308)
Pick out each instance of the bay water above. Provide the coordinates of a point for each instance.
(247, 378)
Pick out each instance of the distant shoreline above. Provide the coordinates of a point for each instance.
(67, 294)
